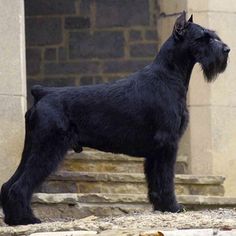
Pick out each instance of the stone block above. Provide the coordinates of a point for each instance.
(58, 82)
(12, 110)
(211, 6)
(151, 35)
(62, 54)
(77, 23)
(33, 61)
(125, 66)
(66, 233)
(43, 31)
(50, 54)
(71, 68)
(85, 6)
(176, 6)
(12, 41)
(135, 35)
(100, 44)
(223, 145)
(122, 13)
(199, 89)
(86, 80)
(201, 140)
(49, 7)
(143, 50)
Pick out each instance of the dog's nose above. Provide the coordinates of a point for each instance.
(226, 49)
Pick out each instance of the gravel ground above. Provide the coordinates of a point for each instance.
(223, 219)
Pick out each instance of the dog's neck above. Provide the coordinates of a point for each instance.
(176, 61)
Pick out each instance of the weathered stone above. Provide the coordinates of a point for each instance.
(220, 222)
(66, 233)
(77, 23)
(151, 35)
(124, 66)
(12, 110)
(86, 80)
(115, 13)
(143, 50)
(85, 6)
(124, 183)
(65, 198)
(33, 61)
(135, 35)
(98, 80)
(71, 68)
(62, 54)
(43, 31)
(50, 54)
(12, 60)
(58, 82)
(100, 44)
(102, 166)
(49, 7)
(58, 187)
(133, 177)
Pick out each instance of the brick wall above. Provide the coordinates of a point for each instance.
(78, 42)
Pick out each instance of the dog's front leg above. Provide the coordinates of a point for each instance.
(159, 171)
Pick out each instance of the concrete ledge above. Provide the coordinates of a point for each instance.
(93, 155)
(132, 177)
(72, 198)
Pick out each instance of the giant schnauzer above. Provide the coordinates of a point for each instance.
(143, 115)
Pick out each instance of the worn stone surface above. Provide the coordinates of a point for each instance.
(12, 86)
(135, 35)
(143, 50)
(65, 206)
(124, 66)
(71, 68)
(96, 161)
(33, 60)
(77, 23)
(50, 54)
(132, 177)
(66, 233)
(100, 44)
(108, 182)
(43, 31)
(218, 222)
(49, 7)
(134, 12)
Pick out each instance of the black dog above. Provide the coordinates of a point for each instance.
(143, 115)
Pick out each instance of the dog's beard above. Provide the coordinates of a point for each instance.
(212, 66)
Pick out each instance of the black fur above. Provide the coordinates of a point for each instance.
(143, 115)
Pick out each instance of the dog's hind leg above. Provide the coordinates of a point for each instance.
(48, 147)
(159, 172)
(26, 151)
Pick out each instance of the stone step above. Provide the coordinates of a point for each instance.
(124, 183)
(96, 161)
(71, 205)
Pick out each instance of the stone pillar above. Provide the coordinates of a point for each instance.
(211, 137)
(12, 85)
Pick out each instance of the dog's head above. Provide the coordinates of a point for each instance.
(203, 45)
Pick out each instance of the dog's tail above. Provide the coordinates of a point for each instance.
(38, 92)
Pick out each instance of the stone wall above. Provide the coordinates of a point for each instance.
(12, 86)
(79, 42)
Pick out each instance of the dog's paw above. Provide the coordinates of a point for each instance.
(174, 208)
(22, 221)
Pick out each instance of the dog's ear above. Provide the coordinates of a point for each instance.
(180, 26)
(191, 19)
